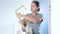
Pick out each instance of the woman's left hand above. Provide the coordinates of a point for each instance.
(19, 15)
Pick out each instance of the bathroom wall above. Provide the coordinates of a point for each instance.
(8, 19)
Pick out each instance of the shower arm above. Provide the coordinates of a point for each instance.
(22, 6)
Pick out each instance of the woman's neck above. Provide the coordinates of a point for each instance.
(34, 14)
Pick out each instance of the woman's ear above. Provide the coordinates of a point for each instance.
(38, 9)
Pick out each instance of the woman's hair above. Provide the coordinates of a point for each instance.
(37, 4)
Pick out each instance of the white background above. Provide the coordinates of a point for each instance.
(55, 16)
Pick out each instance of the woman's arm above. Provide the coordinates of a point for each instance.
(18, 15)
(35, 20)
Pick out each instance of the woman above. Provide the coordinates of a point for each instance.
(34, 19)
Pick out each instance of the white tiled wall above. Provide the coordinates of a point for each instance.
(7, 14)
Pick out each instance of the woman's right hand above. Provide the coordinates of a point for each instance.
(21, 22)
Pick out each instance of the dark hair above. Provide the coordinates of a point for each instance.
(37, 4)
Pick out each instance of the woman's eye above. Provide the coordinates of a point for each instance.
(33, 6)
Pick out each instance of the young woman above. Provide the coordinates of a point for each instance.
(34, 19)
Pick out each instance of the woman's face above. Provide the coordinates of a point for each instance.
(34, 8)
